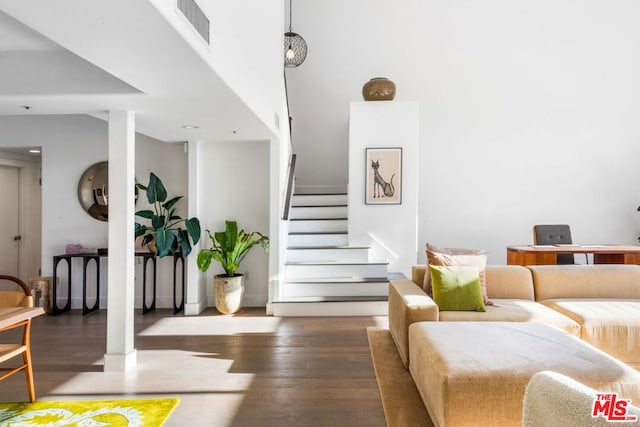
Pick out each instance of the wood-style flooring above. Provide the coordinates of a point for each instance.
(244, 370)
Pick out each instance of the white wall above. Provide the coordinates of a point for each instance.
(248, 53)
(246, 50)
(70, 144)
(391, 231)
(233, 183)
(169, 162)
(528, 110)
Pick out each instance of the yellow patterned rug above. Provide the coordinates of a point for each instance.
(112, 413)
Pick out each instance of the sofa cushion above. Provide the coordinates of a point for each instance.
(457, 257)
(585, 281)
(612, 325)
(515, 310)
(456, 288)
(476, 374)
(510, 282)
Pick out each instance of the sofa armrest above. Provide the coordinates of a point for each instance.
(408, 304)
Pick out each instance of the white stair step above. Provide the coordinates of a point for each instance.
(319, 199)
(318, 225)
(317, 239)
(318, 212)
(331, 253)
(330, 290)
(333, 270)
(329, 308)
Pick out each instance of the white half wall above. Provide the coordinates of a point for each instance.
(234, 183)
(390, 230)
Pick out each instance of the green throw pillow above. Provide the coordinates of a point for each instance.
(456, 288)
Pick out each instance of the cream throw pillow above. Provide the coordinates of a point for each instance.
(457, 257)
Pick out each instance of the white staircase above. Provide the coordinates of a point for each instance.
(323, 275)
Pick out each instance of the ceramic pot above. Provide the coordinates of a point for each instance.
(228, 293)
(152, 245)
(379, 89)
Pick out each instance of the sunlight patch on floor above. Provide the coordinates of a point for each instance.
(381, 321)
(213, 325)
(157, 372)
(182, 360)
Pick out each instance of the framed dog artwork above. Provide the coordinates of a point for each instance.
(383, 181)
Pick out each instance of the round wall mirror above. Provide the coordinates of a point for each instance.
(93, 191)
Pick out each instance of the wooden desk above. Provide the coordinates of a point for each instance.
(546, 254)
(12, 315)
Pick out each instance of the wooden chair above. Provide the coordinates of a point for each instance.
(9, 299)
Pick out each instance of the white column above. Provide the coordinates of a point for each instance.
(195, 293)
(121, 354)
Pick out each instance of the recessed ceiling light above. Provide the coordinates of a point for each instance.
(190, 127)
(34, 151)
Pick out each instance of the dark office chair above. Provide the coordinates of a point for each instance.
(552, 235)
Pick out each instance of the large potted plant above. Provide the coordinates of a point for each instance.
(165, 233)
(229, 247)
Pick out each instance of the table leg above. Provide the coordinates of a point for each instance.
(54, 288)
(178, 307)
(85, 262)
(145, 308)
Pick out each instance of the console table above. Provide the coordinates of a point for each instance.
(96, 257)
(546, 254)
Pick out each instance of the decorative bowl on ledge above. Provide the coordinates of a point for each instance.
(379, 89)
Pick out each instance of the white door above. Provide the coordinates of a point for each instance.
(9, 220)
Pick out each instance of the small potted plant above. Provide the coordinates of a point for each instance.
(165, 234)
(229, 247)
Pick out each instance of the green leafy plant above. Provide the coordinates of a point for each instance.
(165, 225)
(229, 247)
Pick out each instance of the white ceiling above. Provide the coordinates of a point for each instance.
(114, 55)
(15, 36)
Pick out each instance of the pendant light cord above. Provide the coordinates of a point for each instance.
(290, 16)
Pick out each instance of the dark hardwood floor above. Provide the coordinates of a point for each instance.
(243, 370)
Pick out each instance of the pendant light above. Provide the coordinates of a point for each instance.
(295, 48)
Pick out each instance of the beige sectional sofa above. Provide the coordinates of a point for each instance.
(603, 299)
(598, 303)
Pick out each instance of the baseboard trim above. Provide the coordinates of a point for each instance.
(120, 362)
(194, 309)
(320, 189)
(319, 309)
(162, 301)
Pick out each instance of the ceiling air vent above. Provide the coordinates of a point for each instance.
(196, 17)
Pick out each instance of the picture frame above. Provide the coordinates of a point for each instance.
(383, 176)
